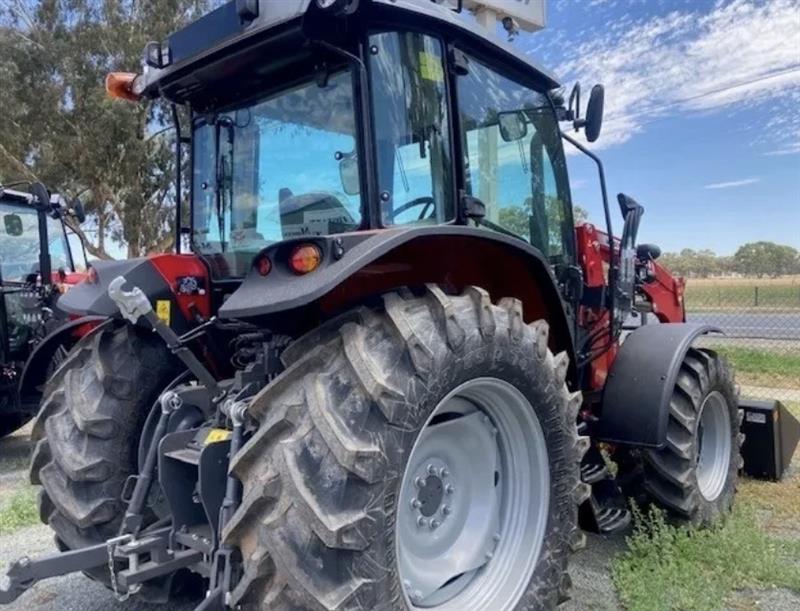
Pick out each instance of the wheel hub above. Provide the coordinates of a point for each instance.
(458, 507)
(431, 493)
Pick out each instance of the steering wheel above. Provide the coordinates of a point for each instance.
(426, 201)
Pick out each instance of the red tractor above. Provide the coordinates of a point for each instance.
(391, 374)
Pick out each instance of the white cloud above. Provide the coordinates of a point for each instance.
(740, 54)
(789, 150)
(732, 184)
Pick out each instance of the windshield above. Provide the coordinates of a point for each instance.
(273, 170)
(19, 243)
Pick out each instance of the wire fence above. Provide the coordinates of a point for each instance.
(761, 321)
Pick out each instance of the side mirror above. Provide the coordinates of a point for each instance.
(594, 113)
(348, 172)
(13, 224)
(78, 211)
(513, 125)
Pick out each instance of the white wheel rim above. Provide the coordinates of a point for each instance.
(713, 446)
(474, 501)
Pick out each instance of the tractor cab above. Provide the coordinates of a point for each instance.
(326, 118)
(38, 261)
(37, 257)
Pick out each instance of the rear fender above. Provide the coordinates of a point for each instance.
(359, 266)
(177, 286)
(636, 397)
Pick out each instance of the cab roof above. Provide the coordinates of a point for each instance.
(225, 32)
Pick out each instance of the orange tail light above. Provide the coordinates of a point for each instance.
(305, 258)
(119, 85)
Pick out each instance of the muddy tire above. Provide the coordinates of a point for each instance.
(87, 432)
(694, 477)
(324, 500)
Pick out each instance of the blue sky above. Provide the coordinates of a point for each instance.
(702, 113)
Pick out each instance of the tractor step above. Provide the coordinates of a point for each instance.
(591, 473)
(612, 519)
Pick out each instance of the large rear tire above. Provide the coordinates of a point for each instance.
(694, 477)
(87, 432)
(352, 457)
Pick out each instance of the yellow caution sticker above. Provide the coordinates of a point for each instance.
(217, 435)
(430, 67)
(163, 307)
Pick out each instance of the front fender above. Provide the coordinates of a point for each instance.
(636, 397)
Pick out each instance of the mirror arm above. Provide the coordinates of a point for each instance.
(612, 264)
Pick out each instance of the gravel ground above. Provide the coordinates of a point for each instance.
(590, 568)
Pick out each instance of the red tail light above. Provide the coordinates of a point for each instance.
(263, 265)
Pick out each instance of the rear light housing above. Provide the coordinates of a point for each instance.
(263, 265)
(305, 258)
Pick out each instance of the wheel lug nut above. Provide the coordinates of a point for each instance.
(489, 555)
(449, 489)
(496, 537)
(446, 511)
(435, 524)
(431, 469)
(421, 521)
(443, 472)
(419, 482)
(415, 503)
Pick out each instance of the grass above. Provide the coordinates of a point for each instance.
(740, 293)
(760, 367)
(668, 567)
(19, 510)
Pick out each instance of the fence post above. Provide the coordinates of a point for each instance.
(755, 292)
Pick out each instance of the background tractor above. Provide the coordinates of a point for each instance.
(40, 258)
(391, 373)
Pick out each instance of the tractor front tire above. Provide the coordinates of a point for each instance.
(694, 477)
(424, 454)
(87, 432)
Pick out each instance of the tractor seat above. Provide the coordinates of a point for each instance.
(648, 252)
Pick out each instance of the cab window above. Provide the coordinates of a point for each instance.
(409, 108)
(514, 162)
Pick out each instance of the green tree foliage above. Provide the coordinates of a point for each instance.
(766, 259)
(752, 259)
(516, 218)
(61, 128)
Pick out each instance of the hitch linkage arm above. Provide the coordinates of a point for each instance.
(24, 573)
(134, 305)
